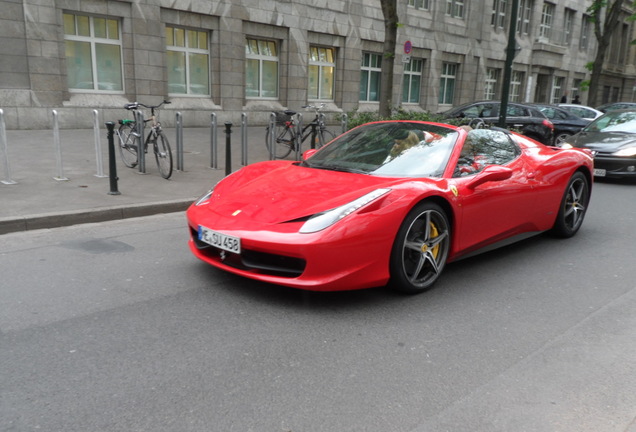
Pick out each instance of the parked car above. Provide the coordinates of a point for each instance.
(616, 106)
(388, 202)
(582, 111)
(612, 140)
(526, 119)
(565, 124)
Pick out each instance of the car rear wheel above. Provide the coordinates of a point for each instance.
(420, 249)
(573, 206)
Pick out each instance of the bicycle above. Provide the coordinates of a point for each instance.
(129, 136)
(286, 134)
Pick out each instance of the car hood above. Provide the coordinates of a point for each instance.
(603, 141)
(278, 191)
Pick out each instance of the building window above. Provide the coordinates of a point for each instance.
(447, 83)
(370, 77)
(188, 61)
(557, 89)
(455, 8)
(93, 53)
(420, 4)
(547, 15)
(568, 25)
(490, 87)
(498, 18)
(516, 80)
(585, 32)
(261, 68)
(523, 16)
(412, 81)
(576, 88)
(322, 67)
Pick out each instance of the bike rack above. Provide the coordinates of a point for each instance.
(179, 133)
(58, 148)
(141, 153)
(214, 160)
(299, 135)
(272, 138)
(244, 139)
(98, 146)
(5, 152)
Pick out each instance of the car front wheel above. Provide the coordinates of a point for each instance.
(420, 249)
(573, 206)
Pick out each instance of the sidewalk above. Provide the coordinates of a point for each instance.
(38, 200)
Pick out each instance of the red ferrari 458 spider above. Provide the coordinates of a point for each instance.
(388, 203)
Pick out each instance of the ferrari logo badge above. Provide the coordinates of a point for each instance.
(236, 212)
(454, 190)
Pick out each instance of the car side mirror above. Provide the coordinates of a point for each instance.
(491, 173)
(309, 153)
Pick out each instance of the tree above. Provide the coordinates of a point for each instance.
(389, 11)
(610, 10)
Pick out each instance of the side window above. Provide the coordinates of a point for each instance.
(516, 111)
(485, 147)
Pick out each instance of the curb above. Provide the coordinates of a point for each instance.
(61, 219)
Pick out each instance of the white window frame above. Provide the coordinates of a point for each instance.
(523, 16)
(187, 50)
(547, 20)
(558, 83)
(585, 33)
(499, 9)
(568, 25)
(322, 65)
(412, 72)
(455, 8)
(490, 86)
(261, 58)
(93, 41)
(448, 76)
(374, 69)
(516, 81)
(419, 4)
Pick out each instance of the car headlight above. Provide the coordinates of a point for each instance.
(323, 220)
(204, 198)
(629, 151)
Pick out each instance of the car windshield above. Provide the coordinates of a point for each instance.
(614, 121)
(402, 149)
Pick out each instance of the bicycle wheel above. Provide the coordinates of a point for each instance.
(128, 144)
(324, 137)
(163, 154)
(284, 141)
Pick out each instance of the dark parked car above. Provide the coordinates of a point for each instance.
(565, 123)
(616, 106)
(612, 140)
(524, 118)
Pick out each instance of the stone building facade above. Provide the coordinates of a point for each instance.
(230, 57)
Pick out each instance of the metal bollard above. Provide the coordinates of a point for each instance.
(58, 149)
(214, 159)
(5, 151)
(272, 137)
(179, 124)
(98, 146)
(112, 165)
(299, 135)
(141, 151)
(244, 139)
(228, 148)
(344, 122)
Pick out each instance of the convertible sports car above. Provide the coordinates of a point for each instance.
(388, 202)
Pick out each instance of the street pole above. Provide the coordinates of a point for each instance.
(511, 51)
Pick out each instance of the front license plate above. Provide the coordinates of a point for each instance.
(220, 240)
(599, 172)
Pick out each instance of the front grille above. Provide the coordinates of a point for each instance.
(253, 261)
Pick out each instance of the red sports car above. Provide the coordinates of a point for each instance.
(388, 203)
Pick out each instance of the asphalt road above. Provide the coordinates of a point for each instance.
(116, 327)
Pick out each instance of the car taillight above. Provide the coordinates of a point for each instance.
(548, 123)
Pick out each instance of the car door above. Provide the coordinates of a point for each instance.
(493, 210)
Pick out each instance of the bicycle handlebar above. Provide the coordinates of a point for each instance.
(135, 105)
